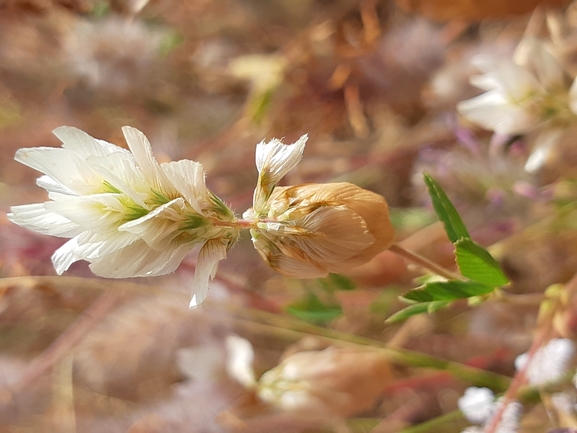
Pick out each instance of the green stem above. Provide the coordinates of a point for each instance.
(295, 329)
(425, 263)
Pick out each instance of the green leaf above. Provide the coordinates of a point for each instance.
(411, 310)
(447, 291)
(312, 309)
(420, 308)
(477, 264)
(445, 210)
(337, 282)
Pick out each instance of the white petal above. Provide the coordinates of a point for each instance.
(210, 254)
(89, 246)
(51, 185)
(491, 111)
(64, 256)
(532, 53)
(573, 97)
(142, 151)
(275, 159)
(545, 143)
(63, 166)
(188, 178)
(83, 144)
(119, 169)
(37, 218)
(517, 82)
(139, 260)
(240, 356)
(91, 212)
(159, 227)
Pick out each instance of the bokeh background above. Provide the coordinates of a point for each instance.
(375, 84)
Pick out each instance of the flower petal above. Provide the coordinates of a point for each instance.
(491, 111)
(273, 160)
(39, 219)
(83, 144)
(139, 260)
(153, 173)
(63, 166)
(212, 252)
(188, 178)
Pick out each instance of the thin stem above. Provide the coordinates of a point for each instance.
(293, 329)
(425, 263)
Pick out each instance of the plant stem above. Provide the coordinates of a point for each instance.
(425, 263)
(293, 329)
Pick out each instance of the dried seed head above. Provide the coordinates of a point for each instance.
(315, 229)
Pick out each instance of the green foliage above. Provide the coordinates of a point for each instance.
(477, 264)
(482, 273)
(312, 309)
(319, 305)
(447, 291)
(170, 41)
(336, 282)
(445, 211)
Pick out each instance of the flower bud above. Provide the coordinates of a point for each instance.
(314, 229)
(334, 381)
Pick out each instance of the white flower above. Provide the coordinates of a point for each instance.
(273, 160)
(520, 95)
(477, 404)
(549, 363)
(239, 360)
(125, 213)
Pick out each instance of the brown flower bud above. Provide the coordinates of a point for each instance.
(314, 229)
(334, 381)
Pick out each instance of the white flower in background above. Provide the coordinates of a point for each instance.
(521, 94)
(125, 213)
(307, 231)
(477, 404)
(114, 55)
(479, 407)
(549, 363)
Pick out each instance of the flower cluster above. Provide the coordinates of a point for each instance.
(529, 93)
(479, 407)
(125, 213)
(130, 216)
(549, 363)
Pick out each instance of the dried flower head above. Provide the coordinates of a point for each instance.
(334, 381)
(307, 231)
(125, 213)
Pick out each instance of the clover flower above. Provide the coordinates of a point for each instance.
(521, 94)
(330, 382)
(129, 216)
(308, 231)
(125, 213)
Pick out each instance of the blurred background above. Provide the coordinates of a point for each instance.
(375, 84)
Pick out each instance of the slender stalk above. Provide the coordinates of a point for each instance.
(289, 328)
(425, 263)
